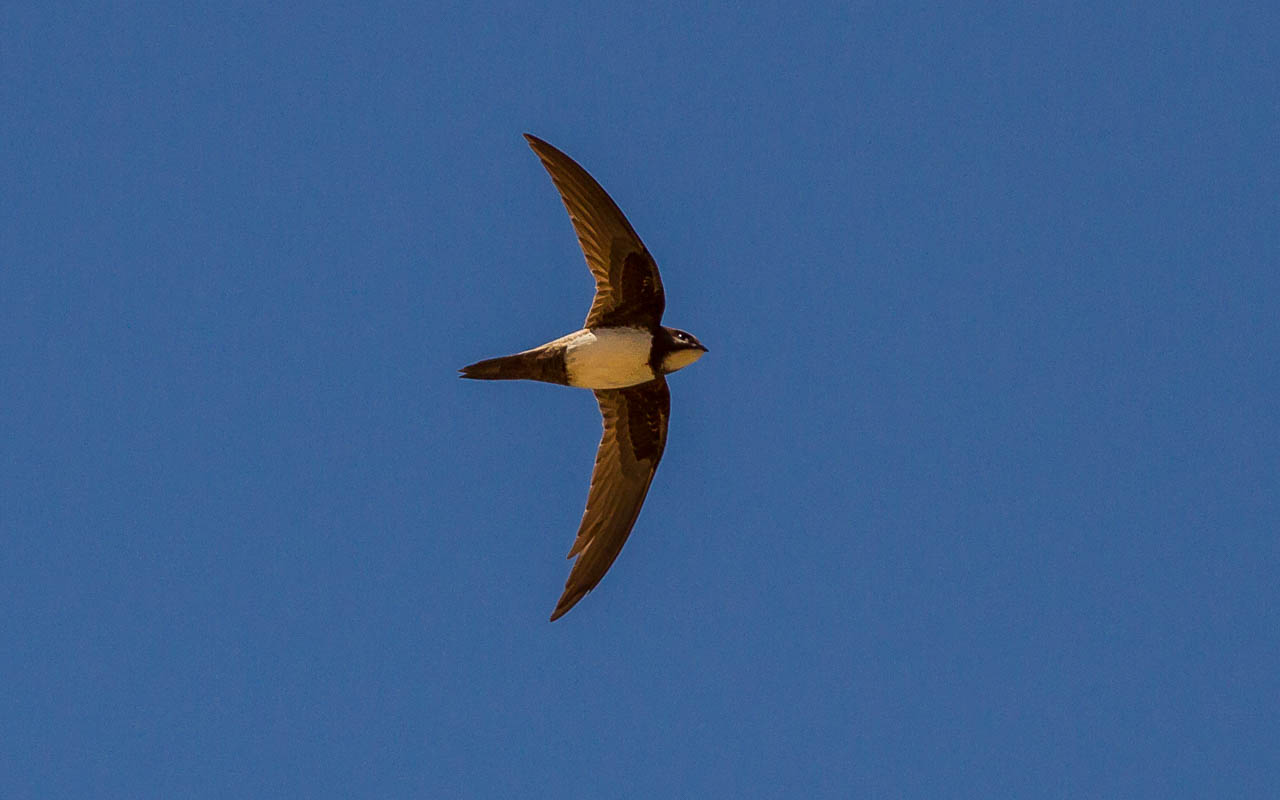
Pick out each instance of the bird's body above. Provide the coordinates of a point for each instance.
(609, 358)
(592, 358)
(622, 353)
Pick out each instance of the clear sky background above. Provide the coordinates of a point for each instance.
(976, 493)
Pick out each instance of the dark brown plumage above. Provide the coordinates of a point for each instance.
(628, 287)
(635, 434)
(622, 342)
(544, 364)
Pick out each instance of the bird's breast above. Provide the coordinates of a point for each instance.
(608, 358)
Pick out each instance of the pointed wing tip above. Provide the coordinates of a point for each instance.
(559, 612)
(545, 151)
(567, 601)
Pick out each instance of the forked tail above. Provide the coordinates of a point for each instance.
(541, 364)
(503, 368)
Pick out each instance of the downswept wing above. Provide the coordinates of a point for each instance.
(635, 433)
(628, 286)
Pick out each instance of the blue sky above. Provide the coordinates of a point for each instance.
(975, 494)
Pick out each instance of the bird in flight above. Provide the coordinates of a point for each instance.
(623, 353)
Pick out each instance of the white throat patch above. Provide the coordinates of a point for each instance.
(679, 359)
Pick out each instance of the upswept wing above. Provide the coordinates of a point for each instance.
(628, 286)
(635, 433)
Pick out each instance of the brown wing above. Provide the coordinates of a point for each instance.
(628, 287)
(635, 432)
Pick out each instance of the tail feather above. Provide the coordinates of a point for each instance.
(503, 368)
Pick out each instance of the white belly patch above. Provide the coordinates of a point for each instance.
(608, 358)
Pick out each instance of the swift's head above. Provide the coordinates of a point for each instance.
(679, 349)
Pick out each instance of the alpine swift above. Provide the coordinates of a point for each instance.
(622, 353)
